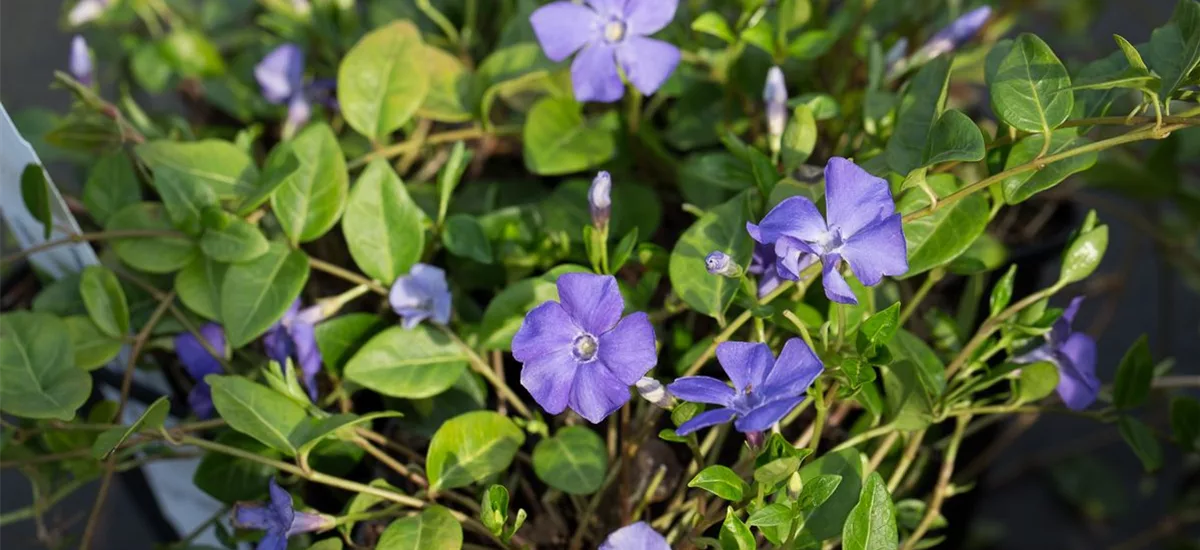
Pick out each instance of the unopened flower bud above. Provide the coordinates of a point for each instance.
(600, 199)
(653, 391)
(957, 33)
(719, 263)
(895, 53)
(86, 11)
(80, 63)
(775, 96)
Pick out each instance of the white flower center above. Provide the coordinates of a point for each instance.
(614, 31)
(585, 347)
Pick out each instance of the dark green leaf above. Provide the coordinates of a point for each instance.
(310, 201)
(1021, 186)
(825, 522)
(410, 363)
(879, 328)
(232, 239)
(152, 418)
(471, 447)
(721, 481)
(383, 80)
(255, 294)
(872, 523)
(257, 411)
(723, 228)
(954, 137)
(943, 236)
(1142, 441)
(1175, 48)
(35, 192)
(912, 382)
(908, 149)
(198, 286)
(92, 348)
(1002, 292)
(340, 338)
(1185, 422)
(771, 515)
(558, 140)
(463, 236)
(816, 491)
(111, 185)
(574, 461)
(280, 166)
(450, 176)
(435, 528)
(150, 254)
(383, 226)
(1027, 82)
(1134, 375)
(777, 471)
(105, 301)
(38, 367)
(231, 479)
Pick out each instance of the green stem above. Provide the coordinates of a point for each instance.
(906, 460)
(440, 20)
(819, 421)
(943, 486)
(89, 237)
(927, 285)
(347, 275)
(434, 139)
(480, 366)
(991, 325)
(865, 436)
(635, 110)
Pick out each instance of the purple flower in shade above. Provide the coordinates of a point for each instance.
(278, 519)
(280, 74)
(294, 337)
(605, 33)
(420, 295)
(80, 62)
(200, 363)
(637, 536)
(579, 352)
(86, 11)
(600, 199)
(763, 265)
(1074, 353)
(957, 33)
(863, 229)
(764, 389)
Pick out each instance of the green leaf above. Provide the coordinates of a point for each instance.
(734, 534)
(1002, 292)
(111, 185)
(257, 411)
(35, 193)
(558, 140)
(340, 338)
(723, 228)
(1134, 376)
(493, 511)
(150, 254)
(954, 137)
(776, 471)
(307, 435)
(383, 80)
(190, 176)
(230, 479)
(382, 225)
(362, 502)
(920, 108)
(231, 239)
(872, 523)
(721, 481)
(198, 286)
(511, 71)
(1037, 380)
(449, 94)
(1130, 52)
(327, 544)
(1029, 85)
(816, 491)
(1185, 422)
(435, 528)
(1083, 255)
(793, 14)
(714, 24)
(105, 301)
(574, 461)
(92, 348)
(799, 139)
(912, 382)
(255, 294)
(939, 238)
(38, 368)
(450, 176)
(624, 248)
(471, 447)
(152, 418)
(310, 201)
(812, 44)
(507, 310)
(1019, 187)
(1175, 47)
(192, 54)
(280, 166)
(879, 328)
(771, 515)
(464, 236)
(1142, 441)
(410, 363)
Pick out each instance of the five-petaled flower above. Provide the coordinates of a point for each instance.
(420, 295)
(579, 352)
(1074, 353)
(636, 536)
(607, 32)
(863, 229)
(200, 363)
(294, 337)
(764, 389)
(278, 519)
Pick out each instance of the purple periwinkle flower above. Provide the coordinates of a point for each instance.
(636, 536)
(775, 96)
(278, 519)
(1074, 353)
(86, 11)
(764, 389)
(80, 62)
(600, 199)
(280, 74)
(420, 295)
(294, 337)
(607, 32)
(763, 264)
(719, 263)
(957, 33)
(200, 363)
(578, 352)
(863, 229)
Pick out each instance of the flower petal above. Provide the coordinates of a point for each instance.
(628, 349)
(305, 522)
(195, 358)
(646, 17)
(746, 363)
(272, 541)
(706, 419)
(793, 256)
(1077, 381)
(200, 400)
(280, 507)
(594, 74)
(1040, 353)
(308, 356)
(563, 27)
(597, 392)
(795, 217)
(638, 536)
(546, 330)
(549, 379)
(794, 371)
(766, 415)
(253, 516)
(853, 197)
(701, 389)
(593, 301)
(609, 8)
(876, 250)
(280, 74)
(647, 62)
(278, 343)
(836, 288)
(1061, 330)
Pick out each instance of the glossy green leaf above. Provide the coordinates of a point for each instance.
(92, 348)
(411, 363)
(872, 523)
(308, 434)
(255, 294)
(1185, 422)
(1130, 52)
(435, 528)
(558, 140)
(35, 193)
(734, 534)
(198, 286)
(203, 171)
(229, 238)
(192, 54)
(493, 511)
(1002, 292)
(449, 96)
(943, 236)
(771, 515)
(151, 419)
(1084, 254)
(919, 110)
(111, 185)
(1037, 380)
(37, 365)
(105, 301)
(383, 226)
(464, 236)
(470, 447)
(340, 338)
(1142, 441)
(279, 167)
(507, 310)
(954, 137)
(799, 139)
(383, 80)
(1028, 85)
(723, 228)
(1175, 47)
(309, 202)
(574, 461)
(816, 491)
(511, 71)
(1019, 187)
(912, 382)
(879, 328)
(257, 411)
(721, 481)
(826, 521)
(150, 254)
(712, 23)
(1134, 376)
(230, 479)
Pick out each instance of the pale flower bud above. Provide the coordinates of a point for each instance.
(775, 96)
(719, 263)
(653, 391)
(600, 199)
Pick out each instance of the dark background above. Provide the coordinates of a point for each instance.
(1024, 502)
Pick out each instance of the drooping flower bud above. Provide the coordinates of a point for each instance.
(80, 63)
(954, 35)
(600, 199)
(653, 391)
(719, 263)
(775, 96)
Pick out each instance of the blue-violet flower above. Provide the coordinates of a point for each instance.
(294, 337)
(636, 536)
(863, 229)
(954, 35)
(200, 363)
(280, 74)
(762, 264)
(579, 352)
(1074, 353)
(278, 519)
(80, 62)
(764, 389)
(420, 295)
(607, 32)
